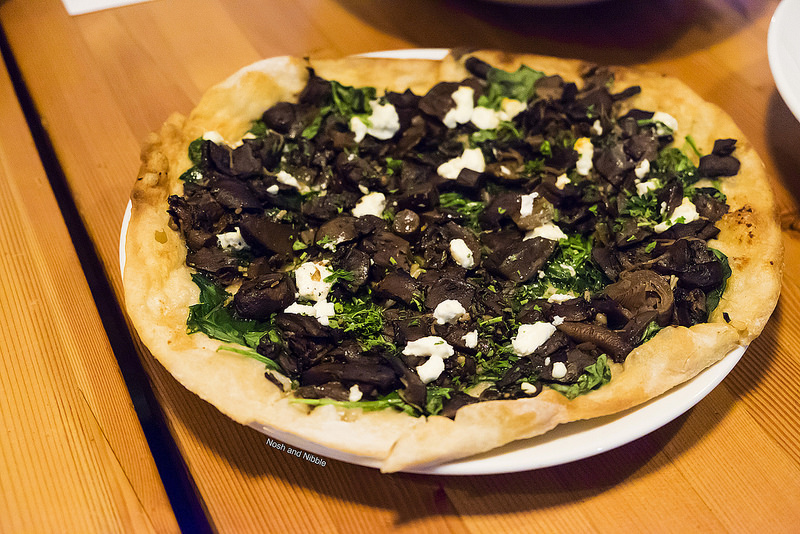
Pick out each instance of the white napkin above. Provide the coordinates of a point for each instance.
(77, 7)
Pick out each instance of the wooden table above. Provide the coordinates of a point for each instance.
(73, 379)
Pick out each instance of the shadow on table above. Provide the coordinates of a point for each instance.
(611, 32)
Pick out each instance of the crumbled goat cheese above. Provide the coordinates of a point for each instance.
(485, 118)
(355, 393)
(472, 159)
(526, 204)
(382, 124)
(685, 213)
(563, 180)
(273, 189)
(559, 297)
(585, 150)
(557, 320)
(470, 339)
(530, 336)
(597, 128)
(448, 311)
(462, 254)
(548, 231)
(559, 370)
(464, 97)
(667, 120)
(310, 280)
(287, 179)
(642, 188)
(528, 388)
(431, 369)
(322, 310)
(429, 346)
(370, 204)
(642, 168)
(232, 240)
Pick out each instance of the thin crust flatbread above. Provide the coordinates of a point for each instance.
(159, 289)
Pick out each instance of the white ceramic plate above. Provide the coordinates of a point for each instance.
(564, 444)
(783, 48)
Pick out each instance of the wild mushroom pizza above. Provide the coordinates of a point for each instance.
(415, 261)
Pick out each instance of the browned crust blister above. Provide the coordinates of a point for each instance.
(159, 290)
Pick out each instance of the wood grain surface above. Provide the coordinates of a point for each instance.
(100, 82)
(73, 457)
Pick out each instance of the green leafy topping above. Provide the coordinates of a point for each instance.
(196, 151)
(258, 128)
(193, 175)
(392, 400)
(712, 299)
(363, 318)
(339, 274)
(213, 318)
(650, 330)
(592, 378)
(505, 132)
(470, 209)
(436, 398)
(570, 269)
(251, 353)
(674, 162)
(345, 101)
(518, 85)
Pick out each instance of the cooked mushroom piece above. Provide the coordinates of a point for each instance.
(521, 261)
(267, 294)
(643, 290)
(600, 336)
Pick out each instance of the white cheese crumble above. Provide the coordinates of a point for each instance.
(429, 346)
(322, 310)
(685, 213)
(431, 369)
(563, 180)
(557, 320)
(273, 189)
(287, 179)
(528, 388)
(355, 393)
(382, 124)
(471, 158)
(232, 240)
(526, 204)
(667, 120)
(597, 128)
(642, 188)
(462, 254)
(585, 150)
(485, 118)
(310, 280)
(470, 339)
(370, 204)
(437, 349)
(548, 231)
(464, 97)
(448, 311)
(642, 168)
(559, 370)
(530, 337)
(559, 297)
(215, 137)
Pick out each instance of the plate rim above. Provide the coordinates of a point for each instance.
(777, 32)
